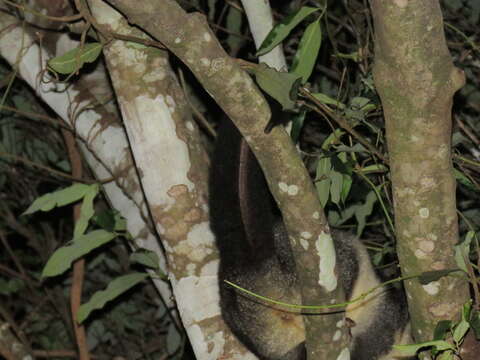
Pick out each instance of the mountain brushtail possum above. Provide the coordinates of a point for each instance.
(255, 254)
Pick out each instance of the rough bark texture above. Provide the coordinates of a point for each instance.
(416, 80)
(102, 140)
(165, 142)
(189, 38)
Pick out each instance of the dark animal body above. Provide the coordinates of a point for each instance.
(255, 254)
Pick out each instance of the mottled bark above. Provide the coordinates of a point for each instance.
(416, 80)
(166, 145)
(190, 39)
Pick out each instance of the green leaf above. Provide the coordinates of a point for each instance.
(234, 23)
(364, 210)
(374, 168)
(297, 125)
(439, 345)
(145, 257)
(352, 56)
(475, 324)
(336, 188)
(462, 251)
(281, 31)
(355, 148)
(434, 275)
(86, 211)
(105, 219)
(174, 339)
(464, 180)
(327, 100)
(62, 259)
(441, 329)
(347, 185)
(74, 59)
(281, 86)
(460, 331)
(113, 290)
(323, 190)
(333, 138)
(44, 203)
(359, 103)
(62, 197)
(306, 55)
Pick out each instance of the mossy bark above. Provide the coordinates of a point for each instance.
(416, 80)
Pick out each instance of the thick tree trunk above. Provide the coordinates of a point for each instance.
(416, 80)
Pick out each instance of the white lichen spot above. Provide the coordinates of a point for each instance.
(283, 187)
(198, 244)
(154, 76)
(401, 3)
(409, 296)
(420, 254)
(170, 103)
(443, 151)
(340, 324)
(337, 335)
(304, 243)
(306, 235)
(344, 354)
(191, 269)
(432, 237)
(326, 254)
(414, 138)
(197, 308)
(292, 239)
(205, 61)
(207, 37)
(177, 40)
(210, 268)
(217, 64)
(189, 126)
(405, 191)
(427, 182)
(293, 190)
(424, 213)
(432, 288)
(426, 246)
(160, 229)
(316, 215)
(152, 116)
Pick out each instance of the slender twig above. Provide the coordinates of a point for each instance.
(79, 265)
(27, 162)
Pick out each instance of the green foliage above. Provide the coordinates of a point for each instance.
(74, 59)
(62, 197)
(146, 258)
(62, 259)
(281, 86)
(306, 55)
(114, 289)
(283, 29)
(448, 336)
